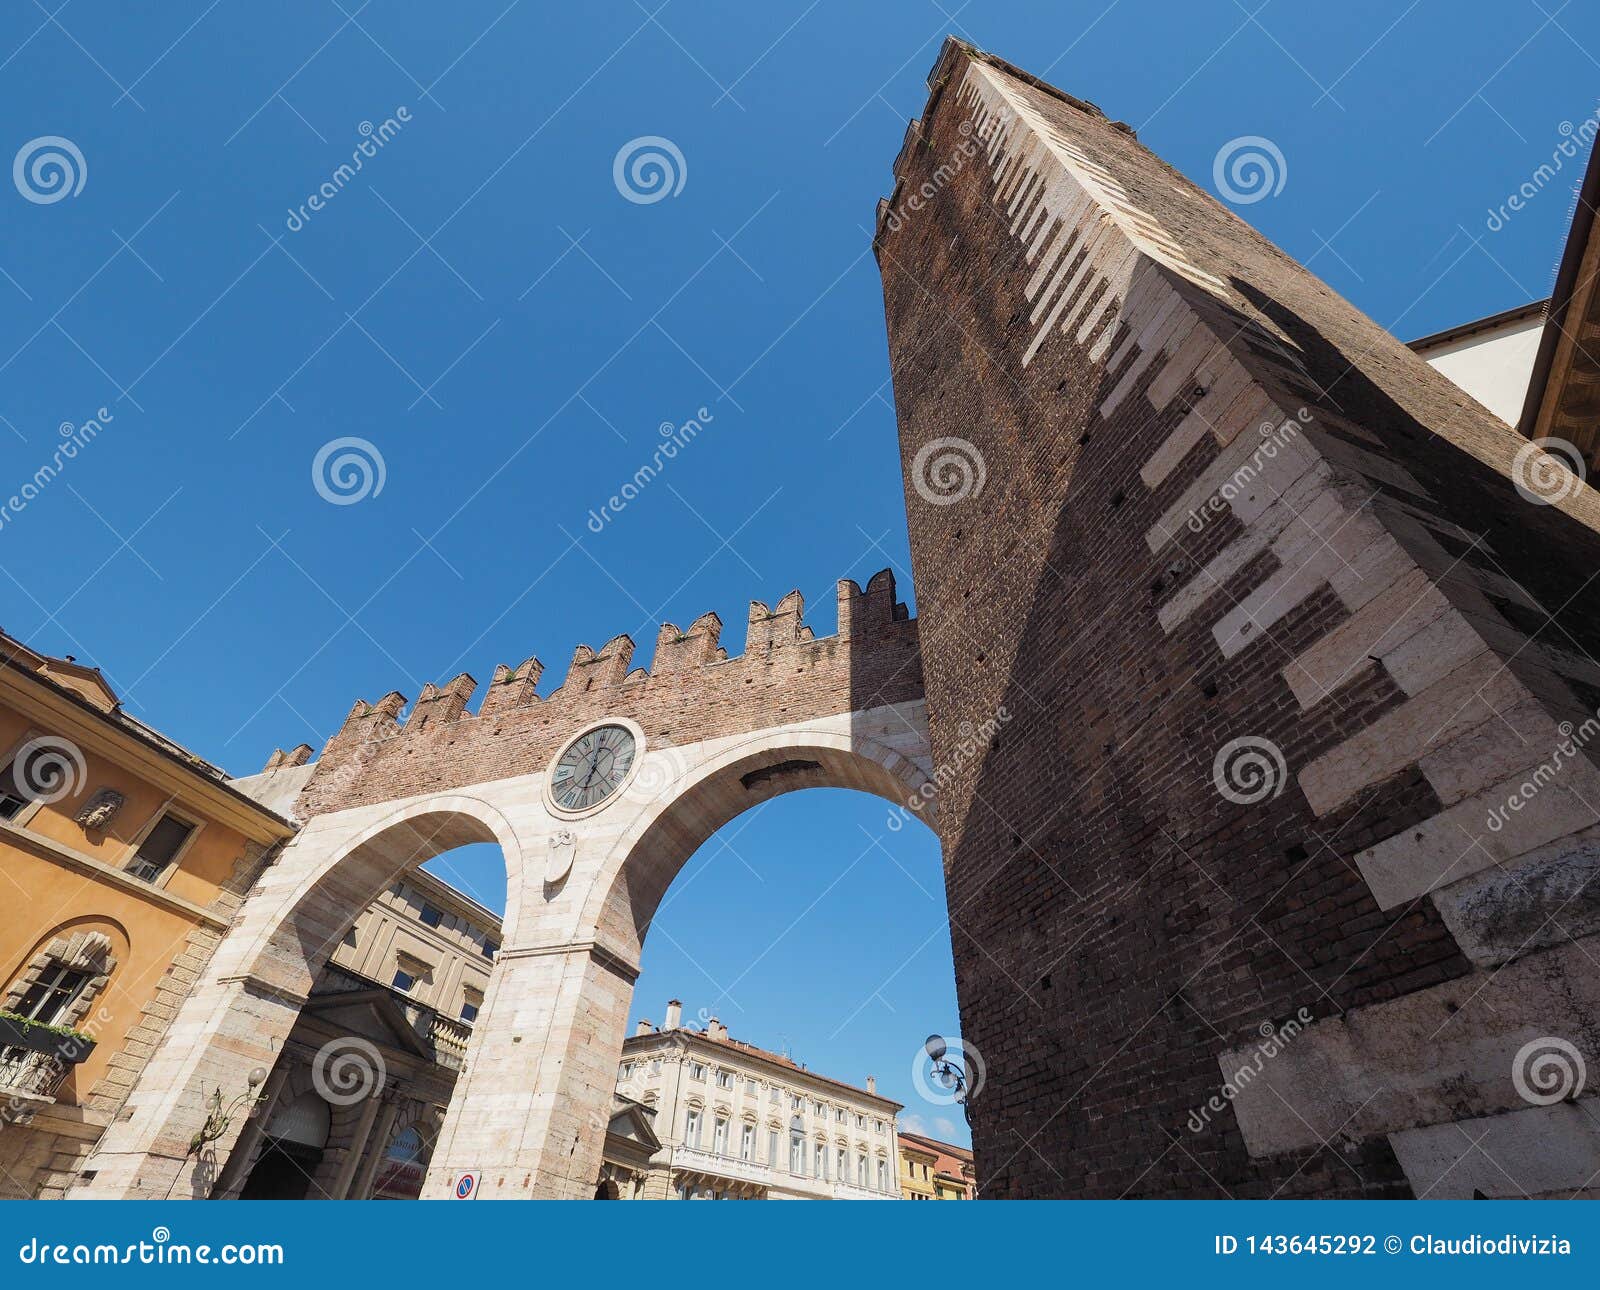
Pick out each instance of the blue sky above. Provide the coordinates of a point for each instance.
(485, 306)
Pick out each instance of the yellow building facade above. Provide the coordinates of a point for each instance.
(123, 858)
(935, 1170)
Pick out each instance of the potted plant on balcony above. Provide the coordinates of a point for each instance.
(61, 1042)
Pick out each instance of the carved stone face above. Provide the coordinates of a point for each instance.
(100, 809)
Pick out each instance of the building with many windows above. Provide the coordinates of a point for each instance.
(934, 1170)
(738, 1122)
(353, 1106)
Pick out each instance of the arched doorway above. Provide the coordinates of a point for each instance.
(295, 1139)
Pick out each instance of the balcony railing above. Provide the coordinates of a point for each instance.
(853, 1191)
(450, 1038)
(24, 1071)
(712, 1164)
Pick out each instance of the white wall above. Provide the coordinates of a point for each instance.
(1492, 366)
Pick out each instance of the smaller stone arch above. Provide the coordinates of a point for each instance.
(341, 870)
(240, 1014)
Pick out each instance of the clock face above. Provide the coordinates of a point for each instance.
(592, 768)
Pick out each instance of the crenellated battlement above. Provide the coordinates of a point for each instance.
(693, 689)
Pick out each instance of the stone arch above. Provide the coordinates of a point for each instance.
(530, 1108)
(240, 1013)
(343, 875)
(584, 986)
(645, 858)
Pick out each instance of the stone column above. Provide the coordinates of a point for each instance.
(362, 1188)
(357, 1149)
(531, 1110)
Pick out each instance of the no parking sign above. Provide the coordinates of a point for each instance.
(466, 1185)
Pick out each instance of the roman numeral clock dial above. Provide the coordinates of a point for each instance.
(592, 768)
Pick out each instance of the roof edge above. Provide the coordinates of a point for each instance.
(1561, 295)
(1460, 331)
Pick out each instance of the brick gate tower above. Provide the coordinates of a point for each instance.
(1273, 878)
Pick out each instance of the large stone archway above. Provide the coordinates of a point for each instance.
(717, 736)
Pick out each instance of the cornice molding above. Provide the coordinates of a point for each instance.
(74, 718)
(60, 853)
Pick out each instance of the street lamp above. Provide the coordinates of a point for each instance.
(947, 1074)
(218, 1119)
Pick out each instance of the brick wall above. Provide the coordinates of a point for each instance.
(693, 691)
(1078, 327)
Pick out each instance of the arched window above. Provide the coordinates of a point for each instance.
(62, 980)
(407, 1146)
(404, 1163)
(304, 1121)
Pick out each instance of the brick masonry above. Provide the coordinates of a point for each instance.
(1167, 491)
(692, 692)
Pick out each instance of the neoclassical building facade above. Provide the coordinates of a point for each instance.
(351, 1109)
(738, 1122)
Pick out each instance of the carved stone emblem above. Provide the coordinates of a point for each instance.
(99, 811)
(563, 848)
